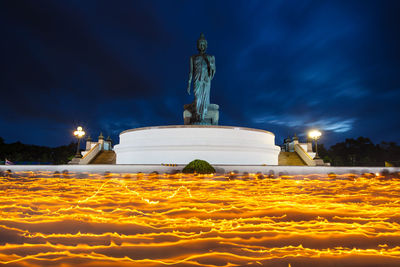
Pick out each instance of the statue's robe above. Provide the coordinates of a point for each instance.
(203, 70)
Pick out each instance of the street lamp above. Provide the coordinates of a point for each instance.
(79, 134)
(315, 134)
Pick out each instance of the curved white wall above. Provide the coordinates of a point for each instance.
(182, 144)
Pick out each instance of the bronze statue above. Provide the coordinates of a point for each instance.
(202, 71)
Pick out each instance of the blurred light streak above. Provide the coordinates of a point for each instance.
(140, 219)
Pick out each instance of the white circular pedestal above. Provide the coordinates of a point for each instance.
(181, 144)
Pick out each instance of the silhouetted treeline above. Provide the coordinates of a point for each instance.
(18, 152)
(361, 152)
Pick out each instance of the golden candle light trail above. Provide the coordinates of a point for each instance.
(88, 219)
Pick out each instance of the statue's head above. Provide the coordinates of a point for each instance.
(202, 43)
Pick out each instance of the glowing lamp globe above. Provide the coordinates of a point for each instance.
(79, 132)
(314, 134)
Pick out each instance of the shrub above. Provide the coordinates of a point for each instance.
(199, 166)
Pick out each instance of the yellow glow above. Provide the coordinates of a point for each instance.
(314, 134)
(79, 133)
(136, 219)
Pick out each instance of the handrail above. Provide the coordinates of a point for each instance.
(304, 151)
(304, 155)
(90, 155)
(90, 151)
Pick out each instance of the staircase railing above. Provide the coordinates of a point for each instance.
(304, 155)
(89, 156)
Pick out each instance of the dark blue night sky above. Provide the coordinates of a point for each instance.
(282, 66)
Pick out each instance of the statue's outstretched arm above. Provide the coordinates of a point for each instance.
(190, 74)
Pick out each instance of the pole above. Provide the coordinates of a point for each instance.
(316, 149)
(78, 155)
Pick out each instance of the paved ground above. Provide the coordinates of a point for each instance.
(130, 168)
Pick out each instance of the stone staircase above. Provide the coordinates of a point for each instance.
(104, 157)
(285, 158)
(290, 159)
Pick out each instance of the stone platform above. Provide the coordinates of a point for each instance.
(180, 144)
(85, 170)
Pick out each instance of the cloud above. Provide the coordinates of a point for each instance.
(337, 125)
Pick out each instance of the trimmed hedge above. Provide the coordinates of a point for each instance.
(199, 166)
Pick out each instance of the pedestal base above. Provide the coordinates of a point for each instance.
(183, 143)
(211, 117)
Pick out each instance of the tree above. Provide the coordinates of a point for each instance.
(198, 166)
(18, 152)
(362, 152)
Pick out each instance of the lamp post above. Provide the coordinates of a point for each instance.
(315, 135)
(79, 133)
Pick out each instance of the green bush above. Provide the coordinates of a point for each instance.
(199, 166)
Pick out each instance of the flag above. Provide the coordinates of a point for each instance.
(7, 162)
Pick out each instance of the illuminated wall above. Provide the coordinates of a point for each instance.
(182, 144)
